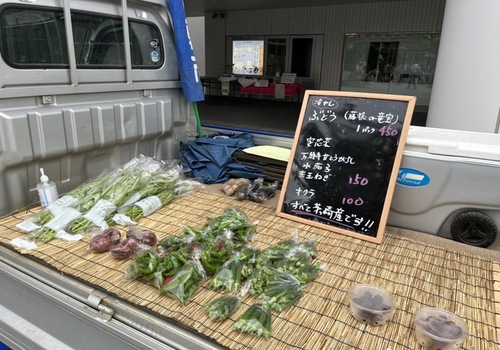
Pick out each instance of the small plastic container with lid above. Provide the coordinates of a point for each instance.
(371, 304)
(47, 190)
(438, 329)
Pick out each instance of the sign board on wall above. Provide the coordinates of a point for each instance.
(288, 78)
(344, 161)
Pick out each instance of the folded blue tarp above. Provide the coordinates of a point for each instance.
(210, 158)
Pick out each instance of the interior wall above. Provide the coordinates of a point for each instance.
(333, 22)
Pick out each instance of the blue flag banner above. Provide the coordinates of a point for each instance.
(188, 69)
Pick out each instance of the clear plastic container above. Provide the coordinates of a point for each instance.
(371, 304)
(47, 190)
(438, 329)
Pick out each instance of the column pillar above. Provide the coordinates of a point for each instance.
(466, 89)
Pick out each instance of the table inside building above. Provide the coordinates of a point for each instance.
(275, 89)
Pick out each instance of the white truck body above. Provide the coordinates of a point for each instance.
(87, 93)
(76, 99)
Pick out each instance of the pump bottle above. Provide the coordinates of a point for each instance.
(47, 190)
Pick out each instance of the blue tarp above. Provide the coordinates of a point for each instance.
(210, 158)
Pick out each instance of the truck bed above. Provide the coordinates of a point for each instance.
(92, 288)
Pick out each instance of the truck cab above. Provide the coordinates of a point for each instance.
(85, 86)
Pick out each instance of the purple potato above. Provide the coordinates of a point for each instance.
(126, 249)
(104, 240)
(144, 236)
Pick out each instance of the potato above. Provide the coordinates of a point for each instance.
(233, 185)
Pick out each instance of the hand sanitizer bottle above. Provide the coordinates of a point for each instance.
(47, 190)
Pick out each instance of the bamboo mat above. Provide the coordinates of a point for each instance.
(416, 274)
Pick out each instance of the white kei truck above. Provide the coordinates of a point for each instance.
(85, 85)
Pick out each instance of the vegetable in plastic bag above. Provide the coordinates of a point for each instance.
(263, 193)
(257, 191)
(228, 277)
(70, 199)
(231, 186)
(282, 290)
(222, 308)
(185, 282)
(168, 266)
(244, 192)
(126, 249)
(144, 236)
(214, 255)
(103, 241)
(256, 320)
(144, 265)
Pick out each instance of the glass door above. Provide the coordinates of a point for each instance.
(276, 56)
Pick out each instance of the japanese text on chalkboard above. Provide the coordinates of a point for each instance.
(344, 152)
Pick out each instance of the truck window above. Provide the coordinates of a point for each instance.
(35, 38)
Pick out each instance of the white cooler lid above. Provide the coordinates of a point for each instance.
(448, 142)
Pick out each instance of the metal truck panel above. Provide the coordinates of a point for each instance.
(76, 122)
(43, 309)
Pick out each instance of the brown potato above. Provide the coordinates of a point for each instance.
(233, 185)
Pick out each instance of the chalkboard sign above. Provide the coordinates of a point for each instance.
(344, 161)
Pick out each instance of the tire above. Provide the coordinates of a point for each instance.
(474, 228)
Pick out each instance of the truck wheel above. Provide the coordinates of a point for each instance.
(474, 228)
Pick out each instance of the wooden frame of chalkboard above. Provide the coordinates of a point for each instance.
(344, 161)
